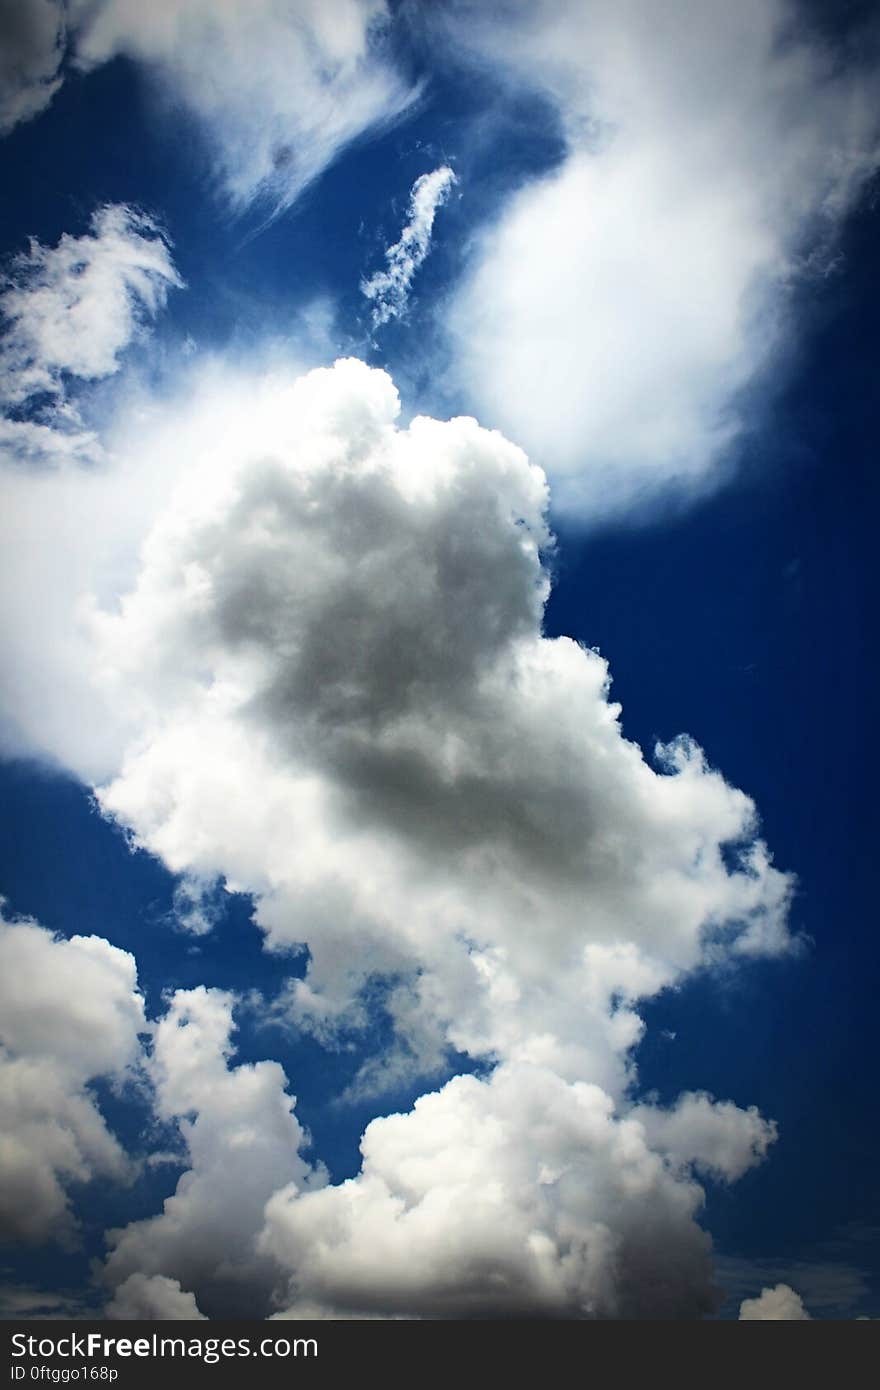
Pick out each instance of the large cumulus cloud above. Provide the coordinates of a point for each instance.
(334, 659)
(339, 698)
(326, 682)
(517, 1196)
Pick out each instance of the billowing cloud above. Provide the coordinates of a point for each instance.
(621, 304)
(521, 1195)
(278, 89)
(70, 1012)
(388, 290)
(154, 1297)
(341, 700)
(32, 36)
(334, 658)
(243, 1143)
(779, 1304)
(330, 687)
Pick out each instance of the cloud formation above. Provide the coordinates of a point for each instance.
(279, 90)
(621, 304)
(70, 516)
(70, 310)
(779, 1304)
(454, 796)
(326, 682)
(32, 34)
(243, 1143)
(518, 1196)
(388, 290)
(154, 1298)
(341, 701)
(70, 1012)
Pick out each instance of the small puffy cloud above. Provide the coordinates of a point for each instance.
(70, 310)
(155, 1298)
(32, 34)
(278, 89)
(832, 1281)
(619, 306)
(780, 1304)
(243, 1142)
(388, 290)
(70, 1012)
(716, 1138)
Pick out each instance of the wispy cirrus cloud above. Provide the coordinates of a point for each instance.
(70, 310)
(388, 290)
(278, 90)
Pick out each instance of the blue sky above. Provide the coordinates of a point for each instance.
(307, 732)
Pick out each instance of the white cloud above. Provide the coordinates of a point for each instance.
(448, 801)
(388, 290)
(834, 1287)
(70, 310)
(329, 686)
(70, 1013)
(155, 1298)
(620, 303)
(68, 531)
(280, 90)
(32, 36)
(780, 1304)
(243, 1142)
(518, 1196)
(720, 1140)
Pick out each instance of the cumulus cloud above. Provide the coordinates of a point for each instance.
(334, 657)
(243, 1144)
(780, 1304)
(70, 1013)
(520, 1195)
(278, 89)
(155, 1298)
(70, 310)
(620, 305)
(32, 34)
(330, 687)
(341, 700)
(720, 1140)
(388, 290)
